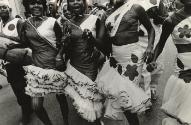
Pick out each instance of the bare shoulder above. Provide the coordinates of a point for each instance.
(138, 9)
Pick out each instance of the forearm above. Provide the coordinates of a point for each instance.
(167, 29)
(16, 39)
(158, 50)
(151, 37)
(13, 46)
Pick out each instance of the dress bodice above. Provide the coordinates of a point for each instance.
(82, 52)
(42, 44)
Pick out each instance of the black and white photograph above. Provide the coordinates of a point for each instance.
(95, 62)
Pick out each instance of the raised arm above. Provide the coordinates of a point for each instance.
(58, 33)
(143, 18)
(167, 29)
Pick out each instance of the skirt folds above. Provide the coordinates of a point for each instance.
(41, 82)
(177, 99)
(121, 93)
(85, 94)
(119, 80)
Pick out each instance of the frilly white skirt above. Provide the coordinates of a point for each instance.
(85, 94)
(41, 82)
(177, 99)
(122, 94)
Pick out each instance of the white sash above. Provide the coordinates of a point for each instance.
(146, 4)
(90, 23)
(120, 12)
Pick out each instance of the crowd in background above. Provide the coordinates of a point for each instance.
(100, 60)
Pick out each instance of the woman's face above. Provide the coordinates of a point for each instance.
(76, 6)
(36, 7)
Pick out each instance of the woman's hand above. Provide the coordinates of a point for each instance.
(60, 63)
(151, 66)
(148, 55)
(11, 46)
(87, 34)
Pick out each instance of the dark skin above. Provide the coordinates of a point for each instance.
(78, 17)
(125, 37)
(167, 29)
(5, 13)
(76, 35)
(37, 9)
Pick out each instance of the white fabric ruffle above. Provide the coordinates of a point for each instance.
(84, 92)
(122, 94)
(177, 99)
(41, 82)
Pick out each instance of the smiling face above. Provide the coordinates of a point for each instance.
(36, 8)
(76, 6)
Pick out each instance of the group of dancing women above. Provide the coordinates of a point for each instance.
(94, 63)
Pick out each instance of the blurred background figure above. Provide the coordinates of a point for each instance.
(10, 29)
(157, 13)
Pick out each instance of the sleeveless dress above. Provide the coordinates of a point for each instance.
(41, 76)
(177, 96)
(120, 76)
(82, 70)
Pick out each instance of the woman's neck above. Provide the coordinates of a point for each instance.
(37, 21)
(78, 19)
(38, 18)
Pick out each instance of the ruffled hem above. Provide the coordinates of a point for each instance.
(83, 85)
(87, 109)
(177, 99)
(84, 92)
(122, 93)
(41, 82)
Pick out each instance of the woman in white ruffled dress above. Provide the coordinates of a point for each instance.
(177, 96)
(83, 63)
(120, 76)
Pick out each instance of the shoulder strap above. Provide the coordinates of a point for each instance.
(43, 38)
